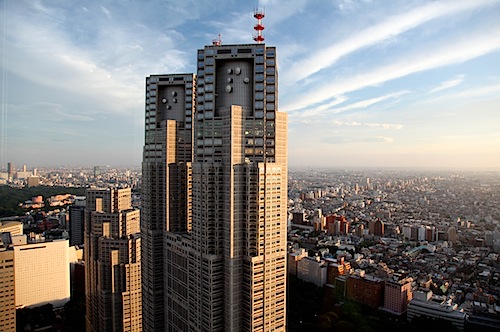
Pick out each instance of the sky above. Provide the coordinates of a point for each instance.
(365, 83)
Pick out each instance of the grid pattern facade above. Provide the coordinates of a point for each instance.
(224, 268)
(166, 174)
(7, 292)
(76, 222)
(46, 261)
(113, 262)
(397, 295)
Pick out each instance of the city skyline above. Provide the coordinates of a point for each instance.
(364, 83)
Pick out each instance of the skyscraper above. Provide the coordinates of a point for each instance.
(7, 295)
(112, 262)
(76, 223)
(214, 195)
(166, 178)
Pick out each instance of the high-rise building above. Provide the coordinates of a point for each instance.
(397, 294)
(76, 224)
(213, 217)
(11, 169)
(7, 294)
(42, 261)
(112, 261)
(166, 181)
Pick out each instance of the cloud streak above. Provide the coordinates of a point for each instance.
(449, 84)
(457, 52)
(368, 124)
(350, 139)
(382, 31)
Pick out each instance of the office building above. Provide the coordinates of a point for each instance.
(112, 262)
(397, 293)
(11, 170)
(166, 188)
(213, 215)
(14, 228)
(76, 224)
(42, 272)
(7, 291)
(426, 304)
(365, 288)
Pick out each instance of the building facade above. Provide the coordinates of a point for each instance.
(214, 195)
(7, 292)
(42, 261)
(397, 294)
(76, 224)
(166, 177)
(112, 262)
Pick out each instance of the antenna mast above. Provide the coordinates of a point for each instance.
(259, 27)
(217, 42)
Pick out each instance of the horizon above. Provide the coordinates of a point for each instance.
(376, 84)
(292, 168)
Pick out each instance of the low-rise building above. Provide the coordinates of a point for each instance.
(425, 304)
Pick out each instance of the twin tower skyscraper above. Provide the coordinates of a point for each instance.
(214, 195)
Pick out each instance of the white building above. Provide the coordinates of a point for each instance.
(42, 273)
(425, 304)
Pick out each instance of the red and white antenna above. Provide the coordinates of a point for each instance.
(217, 42)
(259, 27)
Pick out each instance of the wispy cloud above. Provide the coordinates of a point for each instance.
(106, 12)
(368, 124)
(478, 92)
(329, 108)
(449, 84)
(49, 111)
(367, 102)
(356, 139)
(456, 52)
(386, 29)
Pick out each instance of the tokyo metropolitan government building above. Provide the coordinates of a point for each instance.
(214, 197)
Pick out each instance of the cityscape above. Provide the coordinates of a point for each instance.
(400, 242)
(368, 199)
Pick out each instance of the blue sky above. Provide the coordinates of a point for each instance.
(370, 83)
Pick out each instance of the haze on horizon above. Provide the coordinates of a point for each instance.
(365, 83)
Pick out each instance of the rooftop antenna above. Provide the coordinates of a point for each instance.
(217, 42)
(259, 27)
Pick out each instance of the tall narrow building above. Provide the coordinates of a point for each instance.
(7, 293)
(166, 181)
(112, 261)
(216, 223)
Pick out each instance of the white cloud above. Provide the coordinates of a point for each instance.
(368, 124)
(356, 139)
(478, 92)
(328, 108)
(367, 102)
(106, 12)
(317, 110)
(386, 29)
(449, 84)
(455, 52)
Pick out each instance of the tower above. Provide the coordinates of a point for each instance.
(239, 191)
(166, 178)
(215, 192)
(7, 295)
(112, 262)
(76, 224)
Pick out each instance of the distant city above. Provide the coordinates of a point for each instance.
(408, 242)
